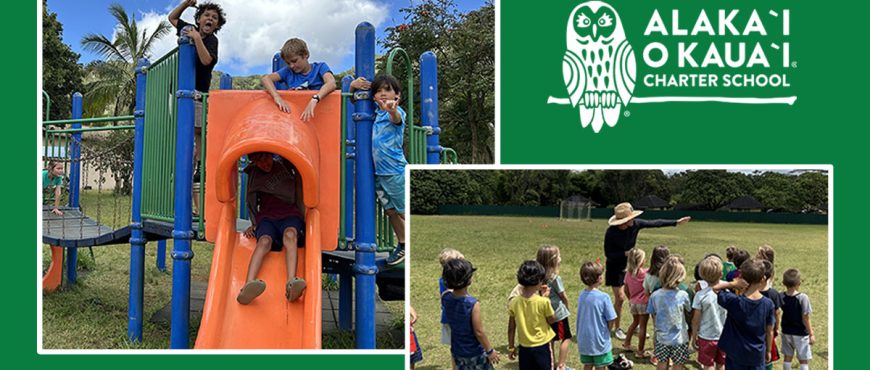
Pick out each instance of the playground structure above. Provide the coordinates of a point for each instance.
(344, 228)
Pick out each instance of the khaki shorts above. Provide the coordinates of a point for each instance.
(638, 309)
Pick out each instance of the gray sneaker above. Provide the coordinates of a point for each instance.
(397, 256)
(619, 334)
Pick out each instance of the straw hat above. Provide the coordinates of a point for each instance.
(622, 213)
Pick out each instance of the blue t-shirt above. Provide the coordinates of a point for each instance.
(313, 80)
(594, 310)
(463, 342)
(743, 336)
(387, 152)
(670, 307)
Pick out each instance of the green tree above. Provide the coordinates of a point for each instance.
(778, 191)
(715, 188)
(111, 83)
(61, 73)
(812, 188)
(619, 186)
(464, 45)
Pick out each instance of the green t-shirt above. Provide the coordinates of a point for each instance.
(46, 182)
(726, 268)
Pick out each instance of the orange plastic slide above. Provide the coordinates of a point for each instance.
(239, 123)
(52, 278)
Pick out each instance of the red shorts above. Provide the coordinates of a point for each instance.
(710, 352)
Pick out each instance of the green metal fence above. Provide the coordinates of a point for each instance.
(158, 161)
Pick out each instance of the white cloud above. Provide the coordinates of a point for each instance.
(256, 29)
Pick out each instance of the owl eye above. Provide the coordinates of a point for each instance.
(583, 21)
(605, 21)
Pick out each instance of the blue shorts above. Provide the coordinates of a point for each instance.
(416, 356)
(391, 191)
(275, 230)
(536, 358)
(730, 364)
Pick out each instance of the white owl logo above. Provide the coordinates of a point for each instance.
(599, 67)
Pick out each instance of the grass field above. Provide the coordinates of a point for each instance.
(497, 246)
(93, 313)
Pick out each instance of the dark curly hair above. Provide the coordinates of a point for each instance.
(457, 273)
(222, 17)
(531, 273)
(383, 81)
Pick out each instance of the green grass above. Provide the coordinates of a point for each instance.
(497, 246)
(92, 314)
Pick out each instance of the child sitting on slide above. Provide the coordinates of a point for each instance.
(274, 192)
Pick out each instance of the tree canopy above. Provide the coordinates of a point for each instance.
(703, 189)
(61, 72)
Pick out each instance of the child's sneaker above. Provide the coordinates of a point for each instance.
(251, 290)
(397, 256)
(619, 334)
(294, 289)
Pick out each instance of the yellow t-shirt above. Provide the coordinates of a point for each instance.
(531, 316)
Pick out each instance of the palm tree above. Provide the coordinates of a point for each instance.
(111, 83)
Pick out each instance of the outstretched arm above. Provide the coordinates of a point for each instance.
(641, 223)
(175, 14)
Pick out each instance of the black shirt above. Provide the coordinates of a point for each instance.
(617, 242)
(793, 310)
(203, 72)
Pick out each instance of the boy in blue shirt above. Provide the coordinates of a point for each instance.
(595, 317)
(299, 74)
(747, 336)
(388, 154)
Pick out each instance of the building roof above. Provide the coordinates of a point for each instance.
(650, 201)
(745, 202)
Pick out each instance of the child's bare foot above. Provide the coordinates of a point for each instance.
(626, 346)
(251, 290)
(294, 289)
(643, 354)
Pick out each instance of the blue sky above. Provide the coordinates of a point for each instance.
(255, 30)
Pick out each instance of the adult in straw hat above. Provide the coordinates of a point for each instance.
(621, 237)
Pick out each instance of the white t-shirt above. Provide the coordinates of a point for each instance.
(712, 314)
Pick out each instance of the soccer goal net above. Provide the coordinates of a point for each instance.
(575, 209)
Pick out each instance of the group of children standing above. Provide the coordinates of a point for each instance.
(730, 315)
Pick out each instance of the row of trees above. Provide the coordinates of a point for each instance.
(703, 189)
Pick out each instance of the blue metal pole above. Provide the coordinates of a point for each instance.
(345, 280)
(75, 176)
(161, 255)
(75, 169)
(226, 82)
(182, 233)
(429, 105)
(137, 236)
(365, 268)
(278, 63)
